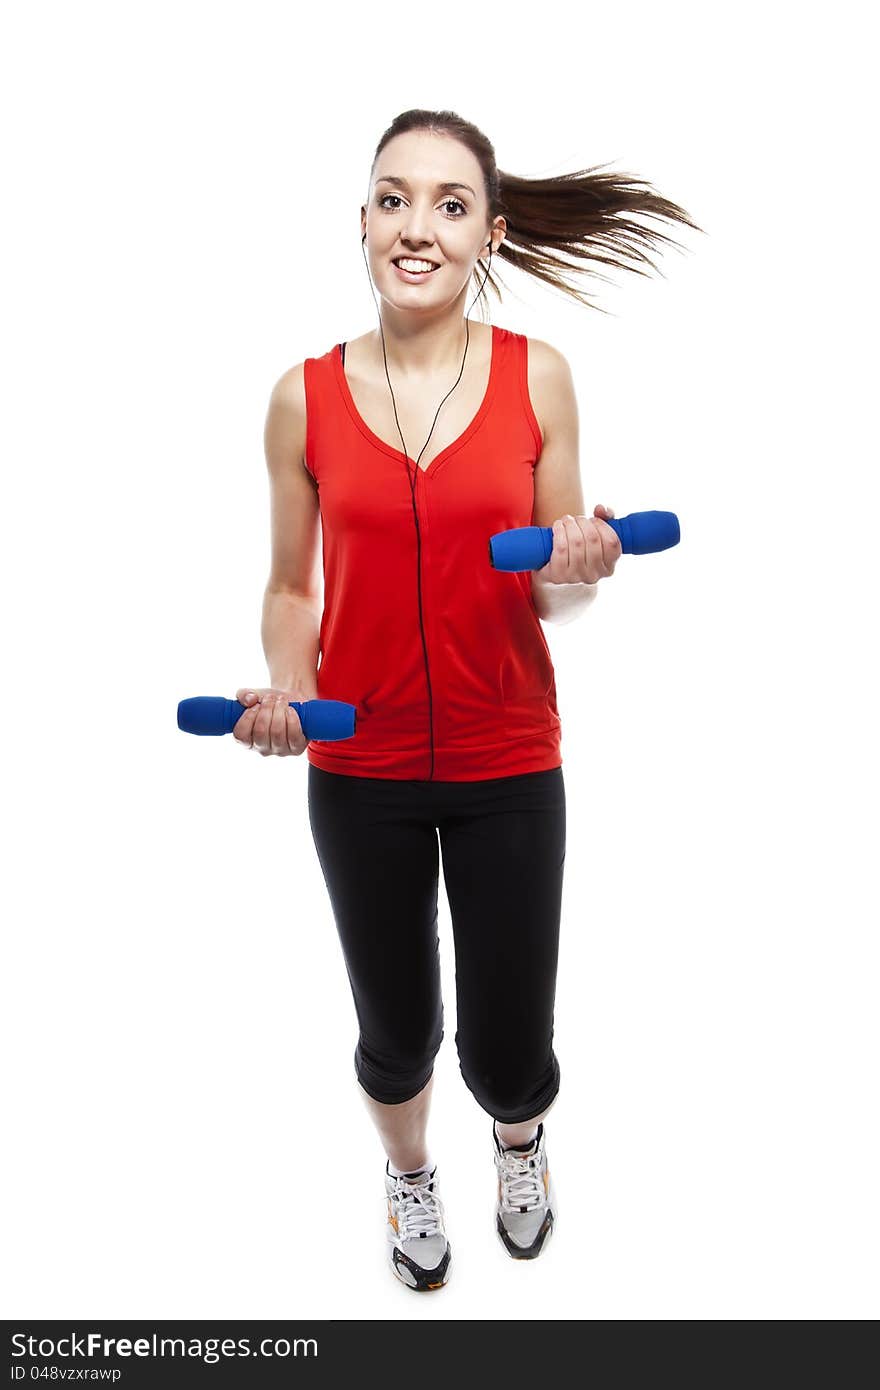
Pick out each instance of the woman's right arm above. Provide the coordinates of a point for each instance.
(293, 601)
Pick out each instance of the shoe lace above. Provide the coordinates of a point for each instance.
(419, 1210)
(521, 1181)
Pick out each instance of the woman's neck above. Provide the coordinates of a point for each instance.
(422, 350)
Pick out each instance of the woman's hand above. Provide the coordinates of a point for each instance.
(269, 724)
(585, 550)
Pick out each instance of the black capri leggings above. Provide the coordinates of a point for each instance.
(503, 843)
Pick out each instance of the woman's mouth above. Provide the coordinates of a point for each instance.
(413, 277)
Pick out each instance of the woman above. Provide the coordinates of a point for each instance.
(458, 733)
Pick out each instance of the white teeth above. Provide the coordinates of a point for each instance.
(415, 266)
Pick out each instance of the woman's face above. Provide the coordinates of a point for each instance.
(418, 219)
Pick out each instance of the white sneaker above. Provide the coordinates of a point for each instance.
(417, 1246)
(525, 1209)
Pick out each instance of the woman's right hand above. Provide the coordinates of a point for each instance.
(269, 723)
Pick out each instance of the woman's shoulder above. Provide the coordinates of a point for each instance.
(544, 355)
(548, 367)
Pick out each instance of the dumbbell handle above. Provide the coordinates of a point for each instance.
(530, 547)
(212, 714)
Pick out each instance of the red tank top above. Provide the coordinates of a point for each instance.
(483, 705)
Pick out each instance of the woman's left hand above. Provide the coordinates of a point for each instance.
(585, 550)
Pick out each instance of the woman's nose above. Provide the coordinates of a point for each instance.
(416, 231)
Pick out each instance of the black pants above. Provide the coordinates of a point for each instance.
(503, 843)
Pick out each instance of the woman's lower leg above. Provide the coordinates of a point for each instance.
(520, 1133)
(402, 1128)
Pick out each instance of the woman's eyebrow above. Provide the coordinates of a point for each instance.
(444, 187)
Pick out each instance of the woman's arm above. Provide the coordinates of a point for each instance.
(558, 488)
(293, 601)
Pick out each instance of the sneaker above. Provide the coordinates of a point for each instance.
(417, 1246)
(526, 1206)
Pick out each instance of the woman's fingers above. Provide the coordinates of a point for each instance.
(253, 728)
(275, 741)
(269, 724)
(296, 739)
(243, 731)
(609, 541)
(283, 738)
(277, 731)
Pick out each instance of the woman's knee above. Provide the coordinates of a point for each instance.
(393, 1076)
(509, 1091)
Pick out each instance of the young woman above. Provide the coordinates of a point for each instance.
(458, 732)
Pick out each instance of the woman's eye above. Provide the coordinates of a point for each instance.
(456, 201)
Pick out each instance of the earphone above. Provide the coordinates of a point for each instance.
(412, 476)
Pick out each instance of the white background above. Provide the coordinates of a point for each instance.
(186, 1137)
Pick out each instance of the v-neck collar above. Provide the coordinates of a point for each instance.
(348, 398)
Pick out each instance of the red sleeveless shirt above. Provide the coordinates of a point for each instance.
(483, 705)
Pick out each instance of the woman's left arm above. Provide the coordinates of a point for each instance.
(585, 549)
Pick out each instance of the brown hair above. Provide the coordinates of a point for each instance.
(581, 214)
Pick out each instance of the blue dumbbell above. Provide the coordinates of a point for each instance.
(212, 714)
(530, 547)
